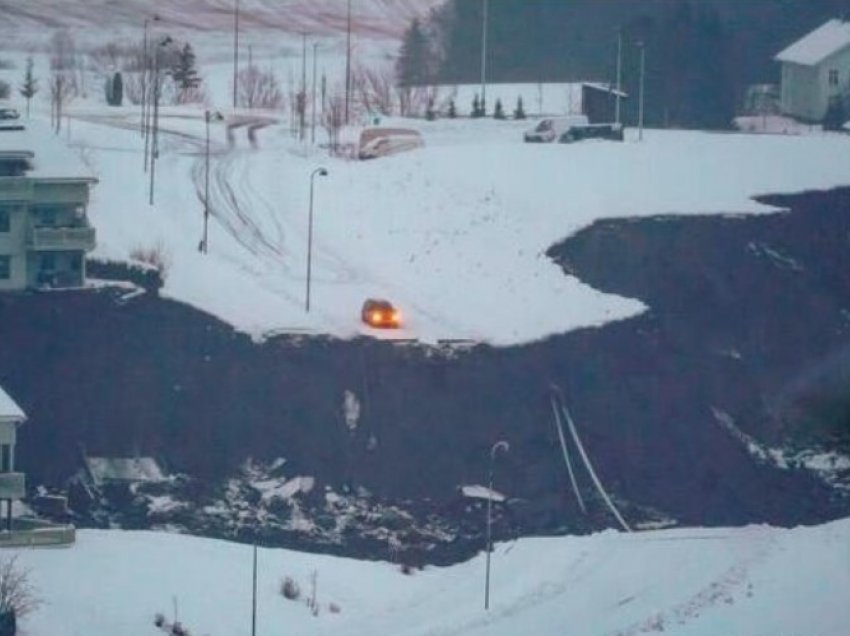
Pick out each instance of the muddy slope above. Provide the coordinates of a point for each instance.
(748, 325)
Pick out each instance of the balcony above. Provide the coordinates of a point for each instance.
(61, 238)
(12, 485)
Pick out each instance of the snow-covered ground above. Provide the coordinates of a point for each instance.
(454, 234)
(753, 581)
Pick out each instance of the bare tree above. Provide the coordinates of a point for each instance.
(17, 594)
(413, 100)
(63, 81)
(258, 89)
(373, 89)
(333, 119)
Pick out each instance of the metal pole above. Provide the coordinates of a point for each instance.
(254, 595)
(619, 74)
(503, 445)
(484, 57)
(235, 51)
(642, 78)
(144, 79)
(154, 144)
(303, 104)
(348, 62)
(322, 172)
(313, 100)
(205, 240)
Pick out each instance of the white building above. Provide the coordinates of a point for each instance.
(44, 192)
(816, 70)
(12, 484)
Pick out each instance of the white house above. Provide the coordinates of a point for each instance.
(44, 192)
(12, 484)
(816, 70)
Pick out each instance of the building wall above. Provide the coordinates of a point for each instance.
(31, 203)
(799, 91)
(12, 244)
(839, 62)
(806, 90)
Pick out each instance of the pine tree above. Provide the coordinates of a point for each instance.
(498, 113)
(482, 107)
(430, 113)
(184, 73)
(452, 109)
(413, 67)
(476, 107)
(30, 86)
(519, 111)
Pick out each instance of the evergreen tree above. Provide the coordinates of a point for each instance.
(30, 86)
(519, 111)
(476, 107)
(184, 72)
(430, 113)
(499, 113)
(413, 66)
(452, 109)
(482, 107)
(117, 89)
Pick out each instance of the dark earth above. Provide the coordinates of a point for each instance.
(749, 316)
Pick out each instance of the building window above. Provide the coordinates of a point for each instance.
(48, 262)
(833, 77)
(5, 220)
(5, 267)
(5, 458)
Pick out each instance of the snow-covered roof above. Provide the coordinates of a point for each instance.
(9, 410)
(132, 469)
(826, 40)
(49, 156)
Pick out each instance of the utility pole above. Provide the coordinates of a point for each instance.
(504, 446)
(348, 62)
(144, 79)
(235, 51)
(254, 594)
(302, 102)
(313, 100)
(642, 48)
(484, 56)
(619, 74)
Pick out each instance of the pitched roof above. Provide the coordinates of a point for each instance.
(812, 49)
(9, 411)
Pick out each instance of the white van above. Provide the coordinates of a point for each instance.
(551, 128)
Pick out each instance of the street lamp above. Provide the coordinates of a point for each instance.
(347, 61)
(322, 172)
(235, 50)
(642, 48)
(619, 74)
(207, 117)
(484, 57)
(313, 100)
(154, 150)
(504, 446)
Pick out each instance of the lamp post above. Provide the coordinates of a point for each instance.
(313, 100)
(642, 48)
(484, 57)
(619, 74)
(504, 446)
(154, 144)
(207, 117)
(144, 79)
(347, 61)
(235, 50)
(322, 172)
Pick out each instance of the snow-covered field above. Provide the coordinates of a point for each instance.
(454, 234)
(752, 581)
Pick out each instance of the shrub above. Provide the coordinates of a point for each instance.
(17, 595)
(290, 589)
(156, 256)
(333, 608)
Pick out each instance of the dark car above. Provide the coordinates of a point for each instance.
(380, 314)
(592, 131)
(9, 113)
